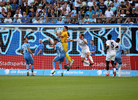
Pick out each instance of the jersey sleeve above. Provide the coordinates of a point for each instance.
(28, 45)
(94, 48)
(55, 47)
(107, 43)
(75, 40)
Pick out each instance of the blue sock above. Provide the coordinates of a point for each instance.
(67, 61)
(60, 66)
(53, 65)
(32, 68)
(119, 65)
(27, 67)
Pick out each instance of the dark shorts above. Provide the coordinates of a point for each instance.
(77, 9)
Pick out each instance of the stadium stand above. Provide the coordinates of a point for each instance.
(66, 11)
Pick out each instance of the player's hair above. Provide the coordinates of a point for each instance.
(118, 40)
(66, 27)
(25, 38)
(92, 40)
(109, 36)
(82, 34)
(55, 39)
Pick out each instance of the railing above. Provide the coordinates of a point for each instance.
(70, 20)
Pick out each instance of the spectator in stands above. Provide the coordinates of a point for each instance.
(37, 20)
(1, 18)
(133, 13)
(107, 3)
(8, 6)
(118, 21)
(123, 6)
(90, 12)
(17, 13)
(39, 8)
(14, 6)
(37, 15)
(32, 7)
(127, 14)
(109, 13)
(118, 10)
(97, 11)
(47, 21)
(73, 12)
(92, 19)
(32, 15)
(136, 10)
(60, 21)
(4, 12)
(92, 48)
(26, 8)
(48, 14)
(68, 21)
(2, 6)
(42, 19)
(17, 19)
(129, 21)
(8, 19)
(90, 3)
(25, 18)
(113, 8)
(102, 6)
(77, 5)
(52, 12)
(123, 13)
(116, 4)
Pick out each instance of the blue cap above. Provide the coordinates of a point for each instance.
(133, 8)
(32, 2)
(40, 5)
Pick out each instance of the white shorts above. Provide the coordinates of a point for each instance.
(84, 52)
(110, 57)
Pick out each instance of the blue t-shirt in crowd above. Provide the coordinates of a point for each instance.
(40, 46)
(92, 48)
(90, 13)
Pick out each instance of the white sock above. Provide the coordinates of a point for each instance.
(107, 71)
(91, 58)
(114, 69)
(61, 71)
(86, 62)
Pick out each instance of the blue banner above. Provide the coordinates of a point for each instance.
(65, 72)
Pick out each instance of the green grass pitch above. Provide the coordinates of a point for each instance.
(68, 88)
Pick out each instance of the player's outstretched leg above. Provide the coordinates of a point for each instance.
(27, 67)
(107, 68)
(114, 69)
(32, 69)
(67, 64)
(118, 66)
(69, 59)
(53, 71)
(60, 66)
(88, 54)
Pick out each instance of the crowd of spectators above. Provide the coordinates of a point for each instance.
(67, 12)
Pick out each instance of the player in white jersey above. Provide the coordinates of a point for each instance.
(85, 49)
(111, 46)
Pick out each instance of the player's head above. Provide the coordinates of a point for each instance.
(117, 40)
(65, 28)
(40, 41)
(81, 36)
(25, 40)
(55, 41)
(91, 42)
(109, 36)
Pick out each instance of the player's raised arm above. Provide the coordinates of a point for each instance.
(51, 41)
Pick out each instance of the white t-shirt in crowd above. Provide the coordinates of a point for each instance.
(19, 15)
(77, 4)
(4, 8)
(108, 13)
(90, 4)
(7, 20)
